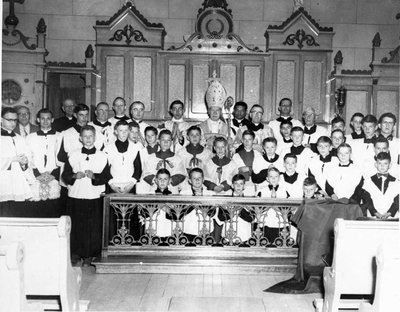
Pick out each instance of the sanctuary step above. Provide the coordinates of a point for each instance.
(198, 260)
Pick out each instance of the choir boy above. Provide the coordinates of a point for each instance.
(312, 131)
(337, 138)
(194, 155)
(135, 136)
(14, 181)
(42, 147)
(68, 120)
(166, 159)
(239, 117)
(219, 170)
(86, 173)
(363, 149)
(318, 163)
(285, 112)
(151, 145)
(304, 154)
(104, 131)
(344, 178)
(338, 123)
(275, 188)
(286, 141)
(264, 161)
(356, 127)
(382, 189)
(244, 159)
(119, 108)
(310, 188)
(137, 113)
(386, 124)
(291, 178)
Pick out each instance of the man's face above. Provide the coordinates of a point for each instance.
(247, 142)
(309, 190)
(387, 125)
(238, 186)
(369, 129)
(88, 138)
(196, 179)
(23, 116)
(119, 107)
(239, 112)
(162, 181)
(177, 111)
(285, 130)
(215, 113)
(220, 149)
(337, 138)
(323, 148)
(356, 123)
(45, 120)
(380, 147)
(194, 137)
(134, 134)
(151, 137)
(256, 114)
(68, 107)
(82, 117)
(273, 178)
(122, 132)
(165, 142)
(102, 112)
(137, 112)
(382, 166)
(309, 119)
(285, 108)
(9, 121)
(297, 137)
(290, 165)
(270, 148)
(344, 154)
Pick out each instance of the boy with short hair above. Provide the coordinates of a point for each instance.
(382, 190)
(285, 140)
(310, 188)
(291, 178)
(338, 123)
(135, 137)
(337, 138)
(356, 127)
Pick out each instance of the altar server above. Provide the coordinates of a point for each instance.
(292, 179)
(356, 127)
(286, 141)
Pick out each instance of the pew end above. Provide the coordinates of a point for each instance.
(47, 266)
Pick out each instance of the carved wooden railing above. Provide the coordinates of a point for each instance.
(267, 215)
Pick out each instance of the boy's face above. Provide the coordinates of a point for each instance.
(9, 121)
(137, 111)
(45, 120)
(88, 137)
(273, 178)
(290, 165)
(380, 147)
(356, 123)
(339, 125)
(82, 117)
(162, 181)
(270, 148)
(344, 154)
(309, 190)
(247, 142)
(134, 134)
(323, 148)
(151, 137)
(119, 107)
(177, 111)
(285, 130)
(196, 179)
(297, 137)
(165, 142)
(387, 125)
(194, 137)
(369, 129)
(220, 149)
(337, 139)
(383, 166)
(122, 132)
(215, 113)
(238, 186)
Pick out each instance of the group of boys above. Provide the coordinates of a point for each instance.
(284, 159)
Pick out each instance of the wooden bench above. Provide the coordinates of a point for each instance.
(353, 269)
(47, 265)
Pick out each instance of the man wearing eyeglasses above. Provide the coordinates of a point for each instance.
(386, 126)
(24, 126)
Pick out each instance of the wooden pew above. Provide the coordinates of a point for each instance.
(47, 265)
(387, 293)
(353, 269)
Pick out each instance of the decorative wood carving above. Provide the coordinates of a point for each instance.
(338, 60)
(394, 56)
(128, 32)
(14, 37)
(300, 36)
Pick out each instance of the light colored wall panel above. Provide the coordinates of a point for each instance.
(142, 82)
(356, 101)
(312, 86)
(176, 81)
(228, 79)
(114, 77)
(200, 85)
(251, 85)
(285, 80)
(387, 102)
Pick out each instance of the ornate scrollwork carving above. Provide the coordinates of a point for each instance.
(394, 56)
(300, 37)
(123, 212)
(128, 32)
(20, 37)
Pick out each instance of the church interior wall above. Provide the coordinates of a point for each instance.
(355, 22)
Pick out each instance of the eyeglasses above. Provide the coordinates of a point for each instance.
(10, 120)
(23, 114)
(387, 122)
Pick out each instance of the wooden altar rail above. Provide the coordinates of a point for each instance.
(267, 215)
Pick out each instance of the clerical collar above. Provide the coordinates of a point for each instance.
(6, 133)
(42, 133)
(163, 192)
(389, 137)
(271, 160)
(370, 141)
(220, 161)
(347, 165)
(124, 117)
(253, 127)
(152, 149)
(311, 130)
(287, 140)
(297, 150)
(355, 135)
(103, 125)
(290, 178)
(89, 151)
(325, 159)
(122, 147)
(77, 127)
(239, 123)
(194, 150)
(283, 118)
(164, 154)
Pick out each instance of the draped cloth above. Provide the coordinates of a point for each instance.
(315, 220)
